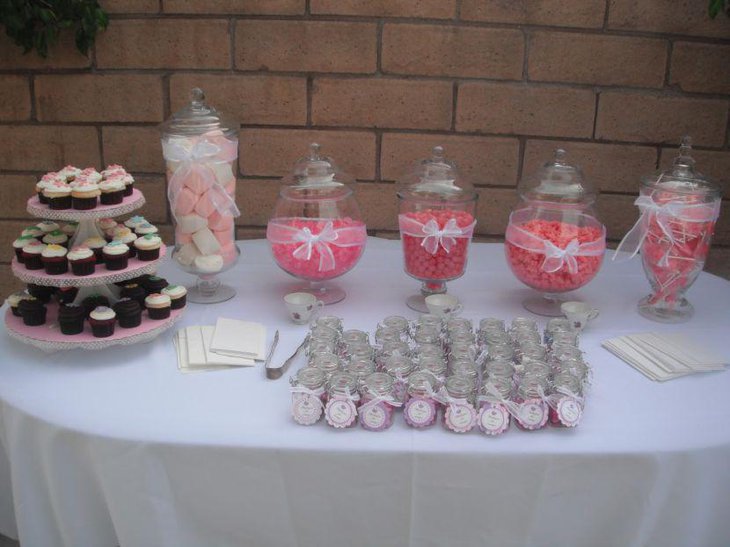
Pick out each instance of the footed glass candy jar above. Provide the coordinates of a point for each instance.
(554, 242)
(436, 221)
(679, 208)
(201, 150)
(316, 232)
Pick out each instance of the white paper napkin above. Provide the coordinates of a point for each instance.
(236, 338)
(192, 345)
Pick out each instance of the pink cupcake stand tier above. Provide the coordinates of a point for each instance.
(48, 337)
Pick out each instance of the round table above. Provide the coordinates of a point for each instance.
(119, 447)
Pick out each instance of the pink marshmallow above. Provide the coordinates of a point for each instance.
(219, 223)
(223, 237)
(185, 203)
(228, 252)
(204, 206)
(195, 184)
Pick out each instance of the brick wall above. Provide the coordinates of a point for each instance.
(500, 83)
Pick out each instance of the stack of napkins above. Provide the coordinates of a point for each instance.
(663, 357)
(230, 343)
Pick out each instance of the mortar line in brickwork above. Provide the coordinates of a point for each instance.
(166, 103)
(232, 43)
(308, 8)
(378, 152)
(100, 139)
(522, 143)
(595, 113)
(379, 48)
(454, 103)
(668, 64)
(606, 15)
(457, 11)
(526, 43)
(31, 91)
(310, 99)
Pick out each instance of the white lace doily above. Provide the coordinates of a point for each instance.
(129, 204)
(156, 328)
(40, 277)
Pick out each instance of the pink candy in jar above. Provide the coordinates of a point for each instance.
(377, 403)
(421, 408)
(341, 410)
(460, 416)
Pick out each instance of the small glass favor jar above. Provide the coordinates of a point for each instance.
(343, 400)
(566, 401)
(308, 395)
(532, 410)
(460, 415)
(316, 232)
(436, 219)
(421, 408)
(494, 399)
(377, 403)
(679, 208)
(201, 151)
(554, 242)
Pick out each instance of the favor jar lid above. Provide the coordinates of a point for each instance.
(198, 118)
(435, 179)
(558, 181)
(378, 384)
(682, 177)
(315, 176)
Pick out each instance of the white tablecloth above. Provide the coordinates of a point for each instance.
(119, 447)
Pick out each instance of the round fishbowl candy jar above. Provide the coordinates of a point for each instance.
(679, 208)
(554, 242)
(436, 218)
(316, 232)
(200, 148)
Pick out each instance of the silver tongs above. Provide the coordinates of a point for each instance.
(272, 373)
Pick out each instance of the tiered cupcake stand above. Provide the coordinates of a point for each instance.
(48, 337)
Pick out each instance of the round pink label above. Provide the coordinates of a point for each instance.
(569, 411)
(306, 408)
(340, 412)
(460, 418)
(419, 412)
(493, 419)
(374, 417)
(533, 414)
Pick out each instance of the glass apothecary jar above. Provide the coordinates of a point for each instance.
(200, 147)
(554, 242)
(316, 231)
(679, 208)
(437, 208)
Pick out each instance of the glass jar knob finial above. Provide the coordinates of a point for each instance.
(560, 154)
(437, 154)
(197, 97)
(314, 151)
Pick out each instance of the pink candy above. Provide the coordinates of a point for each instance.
(527, 265)
(442, 265)
(345, 258)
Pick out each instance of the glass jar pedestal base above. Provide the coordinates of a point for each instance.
(209, 290)
(417, 302)
(545, 304)
(328, 293)
(664, 312)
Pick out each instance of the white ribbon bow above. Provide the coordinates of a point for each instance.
(194, 161)
(310, 241)
(494, 397)
(306, 391)
(663, 214)
(379, 399)
(433, 236)
(556, 258)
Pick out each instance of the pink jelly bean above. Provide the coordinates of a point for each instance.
(527, 265)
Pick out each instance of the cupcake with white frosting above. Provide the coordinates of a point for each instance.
(116, 255)
(112, 191)
(102, 320)
(177, 294)
(158, 306)
(82, 260)
(148, 247)
(54, 259)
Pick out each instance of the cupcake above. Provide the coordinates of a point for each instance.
(90, 175)
(145, 228)
(158, 306)
(82, 260)
(177, 294)
(32, 231)
(56, 237)
(70, 228)
(133, 222)
(129, 313)
(96, 244)
(48, 226)
(32, 255)
(14, 299)
(116, 255)
(154, 284)
(58, 195)
(69, 173)
(128, 239)
(54, 259)
(134, 292)
(148, 247)
(111, 170)
(33, 311)
(46, 180)
(85, 196)
(71, 319)
(102, 319)
(112, 191)
(93, 301)
(107, 224)
(18, 245)
(41, 292)
(128, 184)
(66, 295)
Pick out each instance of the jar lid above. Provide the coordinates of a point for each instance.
(311, 377)
(459, 386)
(316, 176)
(420, 381)
(682, 177)
(378, 383)
(435, 179)
(198, 118)
(343, 382)
(558, 181)
(501, 383)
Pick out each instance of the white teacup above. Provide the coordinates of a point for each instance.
(443, 305)
(302, 306)
(578, 313)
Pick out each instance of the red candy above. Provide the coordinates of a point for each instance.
(440, 266)
(527, 265)
(345, 258)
